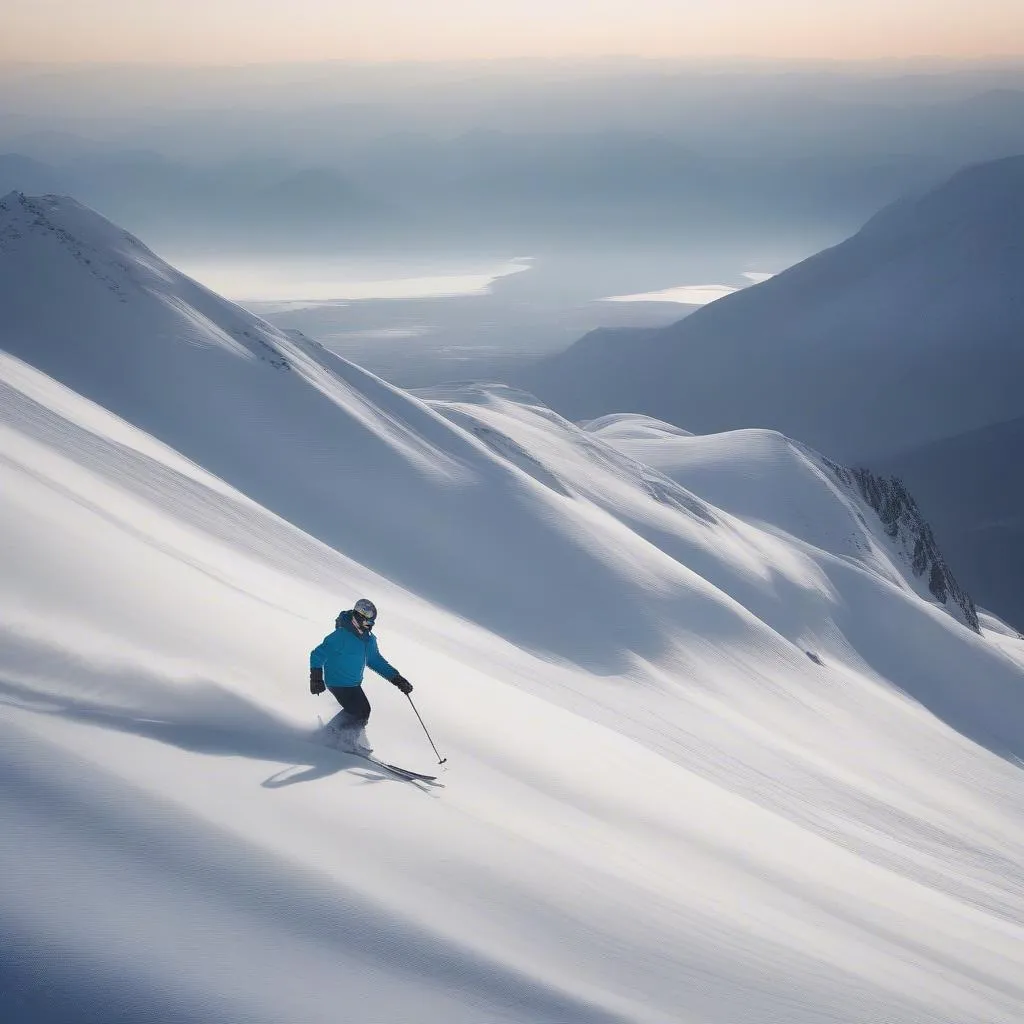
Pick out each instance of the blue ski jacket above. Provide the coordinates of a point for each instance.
(345, 654)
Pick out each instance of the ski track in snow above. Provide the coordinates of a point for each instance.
(657, 807)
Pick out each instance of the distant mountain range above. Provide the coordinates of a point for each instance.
(268, 204)
(506, 186)
(496, 187)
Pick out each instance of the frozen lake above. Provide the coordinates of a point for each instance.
(350, 280)
(423, 319)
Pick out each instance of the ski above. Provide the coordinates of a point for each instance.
(330, 739)
(401, 772)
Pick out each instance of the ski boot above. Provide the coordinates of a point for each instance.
(349, 734)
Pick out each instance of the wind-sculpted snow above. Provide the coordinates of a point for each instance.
(630, 427)
(656, 806)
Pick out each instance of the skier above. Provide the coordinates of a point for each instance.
(338, 664)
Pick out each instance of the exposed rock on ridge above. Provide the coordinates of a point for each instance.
(903, 521)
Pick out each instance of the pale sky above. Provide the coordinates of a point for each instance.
(251, 31)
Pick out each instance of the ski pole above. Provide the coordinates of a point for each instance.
(440, 759)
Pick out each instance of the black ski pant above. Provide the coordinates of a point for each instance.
(354, 701)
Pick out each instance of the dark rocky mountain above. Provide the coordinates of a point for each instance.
(908, 332)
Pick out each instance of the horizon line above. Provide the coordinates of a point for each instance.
(568, 59)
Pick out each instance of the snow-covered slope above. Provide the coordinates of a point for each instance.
(657, 807)
(907, 332)
(329, 447)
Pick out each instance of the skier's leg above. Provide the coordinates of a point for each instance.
(349, 724)
(347, 733)
(354, 701)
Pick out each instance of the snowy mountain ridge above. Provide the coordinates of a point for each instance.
(125, 267)
(655, 806)
(20, 215)
(913, 553)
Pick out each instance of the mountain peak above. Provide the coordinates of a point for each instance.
(107, 252)
(57, 213)
(115, 297)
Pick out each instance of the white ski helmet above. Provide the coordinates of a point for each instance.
(366, 610)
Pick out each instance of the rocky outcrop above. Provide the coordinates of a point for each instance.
(903, 521)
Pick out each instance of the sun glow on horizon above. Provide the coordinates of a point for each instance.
(259, 31)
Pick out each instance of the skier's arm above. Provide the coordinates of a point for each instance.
(389, 672)
(318, 656)
(378, 664)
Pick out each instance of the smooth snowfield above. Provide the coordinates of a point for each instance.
(657, 807)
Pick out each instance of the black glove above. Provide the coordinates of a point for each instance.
(316, 681)
(403, 684)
